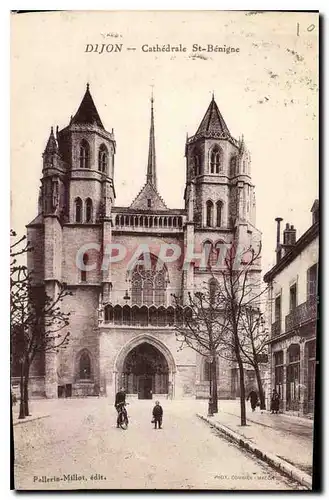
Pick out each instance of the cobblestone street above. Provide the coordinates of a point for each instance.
(79, 447)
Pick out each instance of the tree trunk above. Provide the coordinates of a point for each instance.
(260, 387)
(214, 385)
(21, 390)
(26, 388)
(242, 388)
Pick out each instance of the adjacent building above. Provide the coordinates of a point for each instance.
(292, 301)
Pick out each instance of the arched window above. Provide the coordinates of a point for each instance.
(103, 158)
(207, 251)
(84, 366)
(84, 154)
(78, 210)
(215, 160)
(148, 283)
(233, 165)
(209, 213)
(85, 259)
(219, 208)
(108, 313)
(197, 165)
(197, 161)
(89, 210)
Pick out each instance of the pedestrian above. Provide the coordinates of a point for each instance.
(157, 415)
(275, 402)
(120, 399)
(253, 396)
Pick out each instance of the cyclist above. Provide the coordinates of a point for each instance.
(120, 398)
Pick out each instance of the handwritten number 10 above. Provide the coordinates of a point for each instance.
(310, 28)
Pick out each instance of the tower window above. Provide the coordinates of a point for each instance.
(103, 158)
(219, 207)
(89, 210)
(85, 259)
(78, 210)
(215, 160)
(84, 154)
(197, 165)
(209, 213)
(233, 166)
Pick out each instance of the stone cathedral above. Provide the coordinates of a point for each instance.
(122, 317)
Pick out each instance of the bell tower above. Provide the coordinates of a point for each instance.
(89, 150)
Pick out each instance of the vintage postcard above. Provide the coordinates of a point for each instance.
(164, 249)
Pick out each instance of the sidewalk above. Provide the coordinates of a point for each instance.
(37, 411)
(286, 437)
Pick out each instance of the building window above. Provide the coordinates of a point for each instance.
(148, 285)
(278, 372)
(197, 163)
(103, 158)
(84, 366)
(277, 314)
(83, 271)
(293, 297)
(293, 375)
(219, 208)
(209, 213)
(84, 154)
(213, 286)
(215, 160)
(312, 282)
(149, 203)
(89, 210)
(206, 371)
(78, 210)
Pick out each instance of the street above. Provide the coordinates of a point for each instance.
(79, 447)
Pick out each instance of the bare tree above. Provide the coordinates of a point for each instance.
(36, 320)
(236, 290)
(253, 341)
(200, 331)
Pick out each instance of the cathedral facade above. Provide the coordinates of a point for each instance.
(123, 313)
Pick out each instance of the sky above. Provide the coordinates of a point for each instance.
(268, 91)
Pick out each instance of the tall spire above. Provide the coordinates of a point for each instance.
(151, 176)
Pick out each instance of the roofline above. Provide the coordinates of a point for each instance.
(299, 246)
(175, 211)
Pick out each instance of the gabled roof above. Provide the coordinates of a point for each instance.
(212, 122)
(148, 192)
(87, 112)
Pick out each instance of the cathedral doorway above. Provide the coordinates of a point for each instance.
(145, 372)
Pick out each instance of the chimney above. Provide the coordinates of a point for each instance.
(289, 235)
(289, 238)
(278, 245)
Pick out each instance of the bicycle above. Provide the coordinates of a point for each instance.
(122, 415)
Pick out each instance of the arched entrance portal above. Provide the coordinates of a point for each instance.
(145, 371)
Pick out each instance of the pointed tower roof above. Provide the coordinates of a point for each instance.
(51, 146)
(151, 175)
(87, 112)
(212, 123)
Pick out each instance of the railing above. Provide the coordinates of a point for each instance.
(145, 316)
(135, 221)
(276, 328)
(302, 314)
